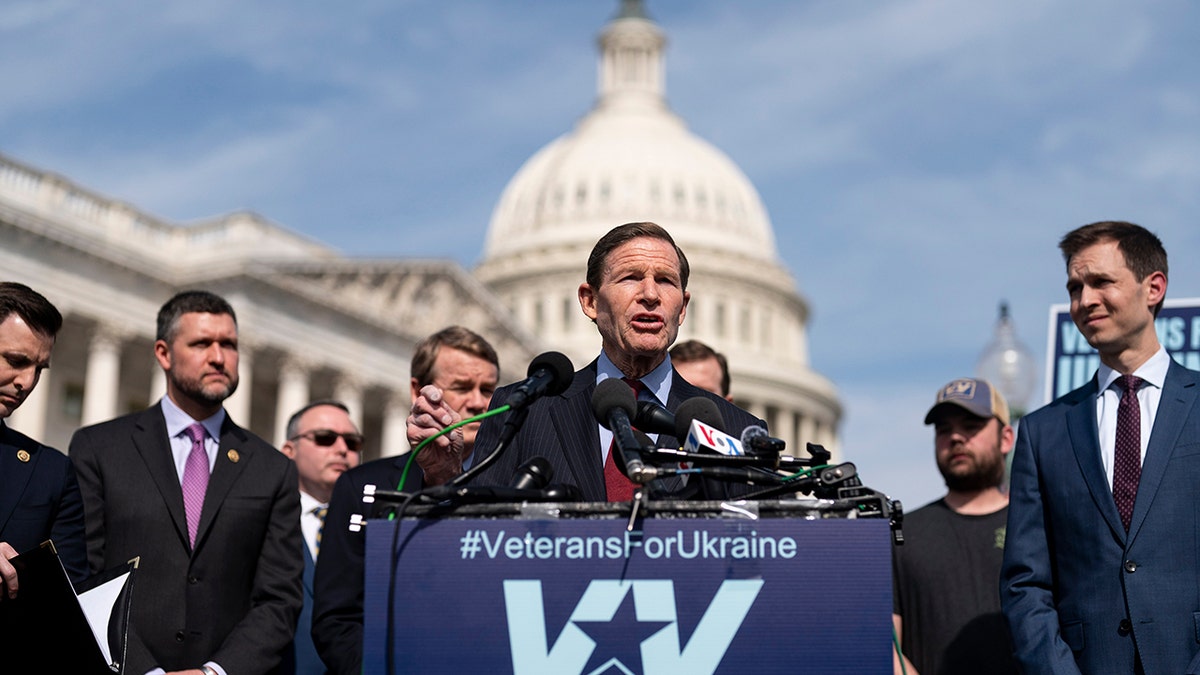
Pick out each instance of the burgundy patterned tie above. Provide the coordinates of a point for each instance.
(195, 480)
(617, 487)
(1127, 454)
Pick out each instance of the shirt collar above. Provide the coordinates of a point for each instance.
(1153, 371)
(657, 382)
(308, 503)
(177, 420)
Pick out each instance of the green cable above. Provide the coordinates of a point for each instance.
(899, 654)
(420, 446)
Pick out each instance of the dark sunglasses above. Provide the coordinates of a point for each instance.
(326, 438)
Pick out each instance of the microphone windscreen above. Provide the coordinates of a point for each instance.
(751, 432)
(559, 367)
(612, 393)
(700, 409)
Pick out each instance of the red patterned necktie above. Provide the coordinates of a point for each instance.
(617, 487)
(1127, 452)
(195, 480)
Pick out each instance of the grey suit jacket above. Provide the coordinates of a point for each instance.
(1080, 594)
(563, 430)
(234, 599)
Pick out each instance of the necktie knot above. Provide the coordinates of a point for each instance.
(635, 385)
(1130, 383)
(196, 432)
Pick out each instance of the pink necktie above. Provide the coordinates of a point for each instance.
(195, 480)
(1127, 453)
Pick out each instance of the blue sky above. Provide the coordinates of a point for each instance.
(919, 158)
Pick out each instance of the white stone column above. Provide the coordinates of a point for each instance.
(786, 430)
(807, 431)
(349, 391)
(102, 377)
(759, 410)
(237, 406)
(31, 418)
(293, 395)
(395, 432)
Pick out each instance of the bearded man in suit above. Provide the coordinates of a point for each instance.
(211, 510)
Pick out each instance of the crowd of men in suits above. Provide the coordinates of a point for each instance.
(240, 543)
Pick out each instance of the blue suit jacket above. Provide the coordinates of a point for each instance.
(563, 430)
(303, 660)
(337, 614)
(1080, 594)
(40, 500)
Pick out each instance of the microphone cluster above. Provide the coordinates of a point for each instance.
(754, 458)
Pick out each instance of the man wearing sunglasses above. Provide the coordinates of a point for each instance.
(323, 442)
(454, 371)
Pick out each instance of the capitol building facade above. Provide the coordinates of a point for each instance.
(315, 323)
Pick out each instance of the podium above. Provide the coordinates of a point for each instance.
(787, 586)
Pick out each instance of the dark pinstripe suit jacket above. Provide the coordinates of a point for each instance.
(563, 430)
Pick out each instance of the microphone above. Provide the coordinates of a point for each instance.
(758, 441)
(653, 418)
(531, 483)
(613, 404)
(549, 374)
(694, 409)
(534, 474)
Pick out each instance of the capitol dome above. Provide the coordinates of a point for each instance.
(628, 159)
(632, 159)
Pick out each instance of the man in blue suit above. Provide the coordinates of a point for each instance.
(39, 495)
(455, 371)
(324, 443)
(1101, 569)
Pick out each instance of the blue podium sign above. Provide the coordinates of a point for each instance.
(583, 596)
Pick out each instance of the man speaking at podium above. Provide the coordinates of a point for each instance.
(636, 294)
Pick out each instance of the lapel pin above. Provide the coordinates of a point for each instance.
(23, 455)
(233, 456)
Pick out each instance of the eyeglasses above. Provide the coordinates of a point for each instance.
(327, 437)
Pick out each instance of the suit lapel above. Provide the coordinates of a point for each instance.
(579, 435)
(1085, 441)
(1174, 407)
(150, 440)
(14, 474)
(233, 456)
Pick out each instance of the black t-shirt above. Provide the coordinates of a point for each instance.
(947, 578)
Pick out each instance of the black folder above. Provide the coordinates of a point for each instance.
(52, 627)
